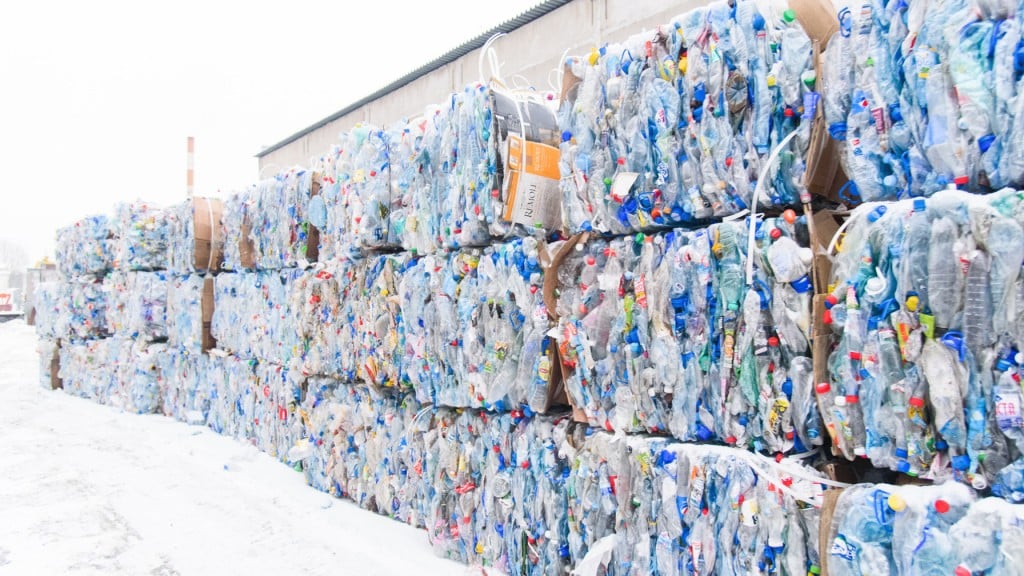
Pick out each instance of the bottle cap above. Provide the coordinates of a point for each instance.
(941, 506)
(961, 462)
(773, 341)
(802, 284)
(912, 303)
(789, 16)
(961, 180)
(831, 300)
(916, 402)
(896, 502)
(901, 453)
(852, 399)
(822, 387)
(919, 205)
(961, 570)
(985, 142)
(840, 401)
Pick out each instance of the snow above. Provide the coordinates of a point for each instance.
(89, 490)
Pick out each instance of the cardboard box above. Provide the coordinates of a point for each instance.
(209, 246)
(55, 381)
(209, 342)
(246, 247)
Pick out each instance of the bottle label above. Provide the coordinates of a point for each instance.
(1008, 411)
(843, 549)
(884, 513)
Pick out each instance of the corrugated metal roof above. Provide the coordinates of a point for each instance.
(449, 57)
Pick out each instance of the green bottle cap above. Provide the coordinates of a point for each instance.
(788, 16)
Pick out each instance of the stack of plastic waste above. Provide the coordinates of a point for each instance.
(417, 181)
(497, 492)
(924, 96)
(691, 333)
(264, 227)
(86, 247)
(476, 327)
(320, 414)
(85, 307)
(185, 312)
(142, 236)
(49, 305)
(194, 236)
(187, 390)
(499, 152)
(377, 458)
(925, 307)
(337, 232)
(364, 172)
(324, 301)
(121, 372)
(943, 529)
(137, 304)
(277, 423)
(649, 506)
(678, 124)
(231, 381)
(236, 225)
(251, 316)
(379, 322)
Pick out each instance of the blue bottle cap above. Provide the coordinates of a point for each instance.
(802, 284)
(961, 462)
(985, 142)
(703, 434)
(901, 453)
(941, 445)
(903, 466)
(837, 130)
(919, 205)
(787, 388)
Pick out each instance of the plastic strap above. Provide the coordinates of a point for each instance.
(757, 195)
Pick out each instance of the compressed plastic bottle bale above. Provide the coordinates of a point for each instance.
(185, 314)
(663, 335)
(882, 527)
(251, 317)
(86, 247)
(674, 126)
(85, 306)
(143, 377)
(195, 236)
(232, 396)
(277, 217)
(323, 303)
(417, 181)
(682, 508)
(278, 394)
(142, 236)
(923, 365)
(499, 152)
(380, 326)
(236, 227)
(187, 390)
(889, 99)
(137, 304)
(320, 414)
(51, 320)
(88, 368)
(476, 327)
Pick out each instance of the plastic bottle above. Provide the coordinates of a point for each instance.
(914, 279)
(978, 304)
(944, 279)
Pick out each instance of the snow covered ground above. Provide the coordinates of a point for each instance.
(85, 489)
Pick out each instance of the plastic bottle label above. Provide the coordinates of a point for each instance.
(1008, 412)
(843, 549)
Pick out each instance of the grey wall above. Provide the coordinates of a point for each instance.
(532, 51)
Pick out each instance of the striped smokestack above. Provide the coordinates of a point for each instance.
(191, 154)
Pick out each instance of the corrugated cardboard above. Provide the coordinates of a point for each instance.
(208, 248)
(824, 176)
(825, 532)
(246, 248)
(209, 342)
(550, 302)
(312, 232)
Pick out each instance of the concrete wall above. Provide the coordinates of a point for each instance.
(532, 51)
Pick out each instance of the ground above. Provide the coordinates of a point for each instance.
(85, 489)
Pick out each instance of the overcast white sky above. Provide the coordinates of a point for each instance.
(97, 97)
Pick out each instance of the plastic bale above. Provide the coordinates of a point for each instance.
(142, 236)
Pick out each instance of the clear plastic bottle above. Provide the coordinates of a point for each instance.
(914, 278)
(1005, 245)
(978, 304)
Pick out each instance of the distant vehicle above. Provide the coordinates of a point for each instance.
(8, 309)
(9, 304)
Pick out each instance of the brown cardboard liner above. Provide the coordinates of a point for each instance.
(312, 232)
(551, 302)
(825, 532)
(209, 342)
(208, 248)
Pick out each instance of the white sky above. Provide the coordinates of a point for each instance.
(98, 97)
